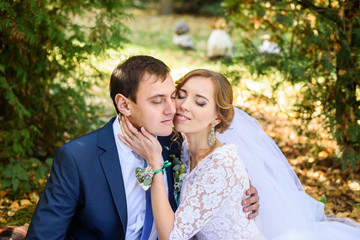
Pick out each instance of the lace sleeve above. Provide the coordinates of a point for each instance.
(207, 188)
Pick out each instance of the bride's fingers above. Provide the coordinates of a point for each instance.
(125, 130)
(126, 134)
(148, 135)
(124, 140)
(130, 127)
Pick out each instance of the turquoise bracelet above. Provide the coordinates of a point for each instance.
(165, 165)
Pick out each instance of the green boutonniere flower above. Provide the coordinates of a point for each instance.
(145, 175)
(179, 176)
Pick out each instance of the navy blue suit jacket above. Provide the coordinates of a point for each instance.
(84, 197)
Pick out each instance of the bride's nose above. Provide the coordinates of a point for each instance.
(182, 104)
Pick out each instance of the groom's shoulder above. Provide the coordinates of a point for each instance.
(90, 140)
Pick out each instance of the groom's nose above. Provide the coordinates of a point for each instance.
(170, 107)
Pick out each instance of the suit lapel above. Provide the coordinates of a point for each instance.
(109, 161)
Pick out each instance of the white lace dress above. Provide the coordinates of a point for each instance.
(211, 198)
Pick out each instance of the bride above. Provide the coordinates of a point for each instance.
(216, 179)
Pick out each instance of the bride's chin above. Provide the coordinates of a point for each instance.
(178, 127)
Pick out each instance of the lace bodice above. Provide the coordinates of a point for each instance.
(211, 197)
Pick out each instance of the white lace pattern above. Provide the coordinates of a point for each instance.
(211, 197)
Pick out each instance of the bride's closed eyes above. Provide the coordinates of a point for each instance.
(198, 99)
(181, 94)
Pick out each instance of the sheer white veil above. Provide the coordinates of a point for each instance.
(284, 205)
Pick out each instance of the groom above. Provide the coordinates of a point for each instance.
(92, 191)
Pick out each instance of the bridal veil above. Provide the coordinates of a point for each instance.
(286, 210)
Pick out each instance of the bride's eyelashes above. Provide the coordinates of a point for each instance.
(200, 104)
(182, 95)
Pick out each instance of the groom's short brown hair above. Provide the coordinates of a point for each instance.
(127, 75)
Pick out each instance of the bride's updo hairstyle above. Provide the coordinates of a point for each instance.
(223, 95)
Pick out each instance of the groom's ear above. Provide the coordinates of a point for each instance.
(122, 104)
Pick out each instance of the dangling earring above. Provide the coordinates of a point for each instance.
(212, 136)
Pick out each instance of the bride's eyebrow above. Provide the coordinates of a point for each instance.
(201, 96)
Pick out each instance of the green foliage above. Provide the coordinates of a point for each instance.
(320, 49)
(24, 175)
(209, 7)
(44, 83)
(323, 199)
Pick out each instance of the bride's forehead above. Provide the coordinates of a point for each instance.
(199, 85)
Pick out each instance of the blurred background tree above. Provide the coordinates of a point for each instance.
(319, 43)
(43, 85)
(207, 7)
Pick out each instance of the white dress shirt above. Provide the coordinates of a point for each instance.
(135, 195)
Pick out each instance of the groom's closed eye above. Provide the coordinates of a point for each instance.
(158, 100)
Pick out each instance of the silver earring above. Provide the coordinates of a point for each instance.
(212, 136)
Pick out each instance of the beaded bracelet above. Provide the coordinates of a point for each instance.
(145, 175)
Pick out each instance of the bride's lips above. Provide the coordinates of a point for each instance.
(181, 117)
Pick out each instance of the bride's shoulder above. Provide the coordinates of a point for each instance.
(228, 153)
(227, 149)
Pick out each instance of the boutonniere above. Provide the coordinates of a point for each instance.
(179, 176)
(145, 176)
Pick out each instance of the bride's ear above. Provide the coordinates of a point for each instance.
(217, 121)
(122, 104)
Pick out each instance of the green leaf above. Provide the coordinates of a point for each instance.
(176, 168)
(25, 186)
(6, 183)
(15, 184)
(4, 6)
(49, 161)
(323, 198)
(147, 181)
(354, 133)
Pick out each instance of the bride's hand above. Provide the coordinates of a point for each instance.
(143, 143)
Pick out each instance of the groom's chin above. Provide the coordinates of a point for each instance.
(162, 132)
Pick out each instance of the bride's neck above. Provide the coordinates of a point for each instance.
(198, 148)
